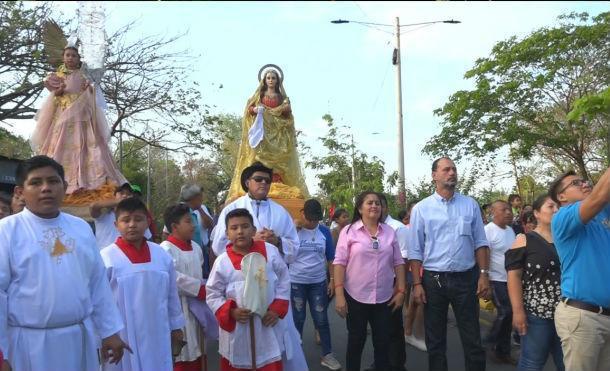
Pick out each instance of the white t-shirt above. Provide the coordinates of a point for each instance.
(105, 231)
(500, 240)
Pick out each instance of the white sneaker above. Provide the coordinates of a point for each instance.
(329, 361)
(417, 343)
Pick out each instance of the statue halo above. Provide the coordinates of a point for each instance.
(273, 67)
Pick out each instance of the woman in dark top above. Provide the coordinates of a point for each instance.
(534, 289)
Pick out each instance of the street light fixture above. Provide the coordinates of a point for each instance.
(396, 60)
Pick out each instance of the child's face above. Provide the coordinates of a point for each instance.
(43, 191)
(184, 229)
(132, 225)
(240, 231)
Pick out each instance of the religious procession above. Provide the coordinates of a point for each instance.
(95, 274)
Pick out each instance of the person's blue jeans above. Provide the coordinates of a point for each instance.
(540, 340)
(458, 289)
(500, 331)
(314, 294)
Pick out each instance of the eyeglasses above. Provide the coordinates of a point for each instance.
(375, 242)
(260, 179)
(576, 183)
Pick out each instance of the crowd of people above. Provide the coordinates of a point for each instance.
(112, 291)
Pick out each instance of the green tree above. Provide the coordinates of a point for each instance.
(22, 66)
(14, 146)
(524, 92)
(336, 168)
(595, 107)
(146, 84)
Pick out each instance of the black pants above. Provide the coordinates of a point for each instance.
(397, 351)
(459, 290)
(499, 334)
(358, 315)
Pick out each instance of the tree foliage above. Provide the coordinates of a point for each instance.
(523, 93)
(146, 85)
(335, 168)
(22, 66)
(14, 146)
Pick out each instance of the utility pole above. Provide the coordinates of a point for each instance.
(396, 60)
(401, 151)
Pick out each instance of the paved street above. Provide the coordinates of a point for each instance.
(416, 359)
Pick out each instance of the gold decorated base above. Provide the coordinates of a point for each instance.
(89, 196)
(78, 203)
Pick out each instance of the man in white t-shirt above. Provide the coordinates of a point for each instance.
(500, 237)
(103, 216)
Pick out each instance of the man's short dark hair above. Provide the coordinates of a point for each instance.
(124, 187)
(338, 213)
(435, 163)
(130, 205)
(382, 199)
(401, 214)
(513, 197)
(555, 185)
(238, 213)
(26, 167)
(173, 214)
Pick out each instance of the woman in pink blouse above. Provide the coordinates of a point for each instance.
(367, 259)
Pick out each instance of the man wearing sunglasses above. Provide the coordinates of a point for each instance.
(273, 223)
(581, 232)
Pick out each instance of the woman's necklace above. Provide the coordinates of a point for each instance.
(373, 237)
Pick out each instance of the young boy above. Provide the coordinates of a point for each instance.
(225, 295)
(143, 283)
(103, 217)
(188, 259)
(54, 297)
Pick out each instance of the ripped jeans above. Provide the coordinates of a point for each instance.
(315, 294)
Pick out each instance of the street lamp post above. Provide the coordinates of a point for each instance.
(396, 60)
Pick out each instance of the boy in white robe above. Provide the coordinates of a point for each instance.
(188, 259)
(225, 289)
(143, 283)
(54, 296)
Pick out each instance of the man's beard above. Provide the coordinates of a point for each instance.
(450, 184)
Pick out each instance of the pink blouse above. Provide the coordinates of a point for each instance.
(369, 272)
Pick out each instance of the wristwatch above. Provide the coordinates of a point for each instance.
(484, 271)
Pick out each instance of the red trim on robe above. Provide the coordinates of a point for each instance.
(201, 293)
(188, 365)
(226, 366)
(235, 257)
(182, 245)
(279, 306)
(223, 316)
(135, 256)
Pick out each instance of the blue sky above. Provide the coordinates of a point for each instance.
(346, 69)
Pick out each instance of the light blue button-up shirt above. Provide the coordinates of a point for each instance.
(444, 234)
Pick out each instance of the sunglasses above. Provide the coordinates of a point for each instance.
(576, 183)
(260, 179)
(375, 242)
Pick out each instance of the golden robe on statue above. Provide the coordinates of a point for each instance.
(278, 147)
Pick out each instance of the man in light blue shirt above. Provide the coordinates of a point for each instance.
(581, 231)
(447, 238)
